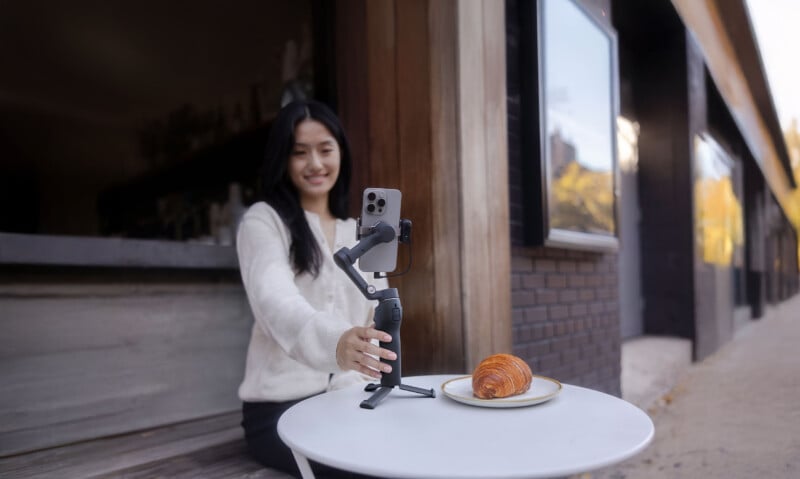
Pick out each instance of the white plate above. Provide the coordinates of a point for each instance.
(542, 389)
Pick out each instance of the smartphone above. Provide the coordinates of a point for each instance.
(380, 204)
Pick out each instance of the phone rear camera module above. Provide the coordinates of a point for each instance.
(371, 196)
(371, 208)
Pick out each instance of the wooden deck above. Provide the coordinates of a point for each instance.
(209, 448)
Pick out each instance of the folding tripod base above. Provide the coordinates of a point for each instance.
(383, 391)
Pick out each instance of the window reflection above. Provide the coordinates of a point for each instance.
(628, 145)
(579, 116)
(792, 138)
(718, 212)
(582, 198)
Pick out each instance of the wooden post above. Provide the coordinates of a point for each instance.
(434, 125)
(483, 155)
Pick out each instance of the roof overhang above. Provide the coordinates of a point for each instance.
(724, 34)
(736, 19)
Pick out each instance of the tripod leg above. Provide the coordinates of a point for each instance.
(373, 400)
(425, 392)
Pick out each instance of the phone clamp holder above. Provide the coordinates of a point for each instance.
(388, 313)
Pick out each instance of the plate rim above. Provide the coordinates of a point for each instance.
(486, 402)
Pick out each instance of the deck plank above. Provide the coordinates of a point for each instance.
(226, 461)
(118, 453)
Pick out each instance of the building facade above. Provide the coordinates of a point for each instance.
(118, 281)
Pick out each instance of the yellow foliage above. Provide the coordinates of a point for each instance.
(583, 200)
(792, 138)
(718, 219)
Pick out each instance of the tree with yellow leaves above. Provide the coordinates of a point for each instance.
(582, 200)
(792, 138)
(718, 219)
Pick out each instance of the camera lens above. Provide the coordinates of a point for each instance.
(371, 196)
(381, 202)
(371, 208)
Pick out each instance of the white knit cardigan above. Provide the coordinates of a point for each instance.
(298, 318)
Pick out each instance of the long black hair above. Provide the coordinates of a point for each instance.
(280, 192)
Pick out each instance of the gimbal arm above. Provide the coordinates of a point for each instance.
(346, 257)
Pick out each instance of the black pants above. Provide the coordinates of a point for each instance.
(260, 423)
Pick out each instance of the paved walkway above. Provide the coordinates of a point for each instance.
(734, 415)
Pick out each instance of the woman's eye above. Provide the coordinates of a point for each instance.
(297, 152)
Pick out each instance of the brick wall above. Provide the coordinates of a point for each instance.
(566, 315)
(565, 303)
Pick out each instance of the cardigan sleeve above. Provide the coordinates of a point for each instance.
(307, 335)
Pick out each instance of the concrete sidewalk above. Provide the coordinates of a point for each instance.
(736, 414)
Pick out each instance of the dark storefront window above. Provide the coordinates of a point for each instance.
(143, 119)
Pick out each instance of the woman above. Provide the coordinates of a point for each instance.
(313, 328)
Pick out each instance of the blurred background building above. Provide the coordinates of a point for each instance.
(578, 172)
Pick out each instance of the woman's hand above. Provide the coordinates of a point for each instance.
(355, 351)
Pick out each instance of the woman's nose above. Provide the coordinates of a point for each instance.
(314, 161)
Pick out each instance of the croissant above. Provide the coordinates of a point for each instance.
(501, 375)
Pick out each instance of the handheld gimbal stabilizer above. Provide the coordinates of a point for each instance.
(388, 313)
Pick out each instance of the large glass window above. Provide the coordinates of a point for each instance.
(578, 108)
(142, 119)
(718, 210)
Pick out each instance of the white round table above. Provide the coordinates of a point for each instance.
(410, 436)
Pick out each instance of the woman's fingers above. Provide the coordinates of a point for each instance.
(380, 352)
(372, 333)
(370, 348)
(366, 365)
(356, 351)
(374, 364)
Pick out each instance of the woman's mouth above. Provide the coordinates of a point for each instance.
(316, 179)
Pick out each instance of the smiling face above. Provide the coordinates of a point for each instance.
(314, 163)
